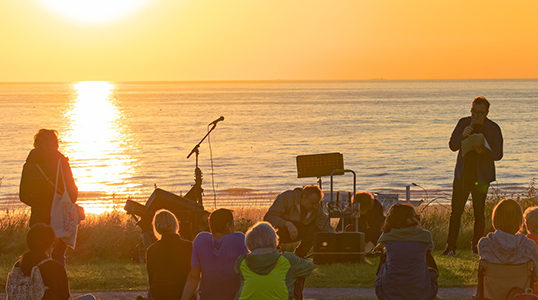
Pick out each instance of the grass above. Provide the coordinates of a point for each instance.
(103, 275)
(108, 249)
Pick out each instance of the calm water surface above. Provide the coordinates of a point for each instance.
(124, 138)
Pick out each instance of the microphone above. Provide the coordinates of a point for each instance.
(216, 121)
(473, 123)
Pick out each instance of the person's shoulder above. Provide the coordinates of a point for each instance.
(378, 205)
(51, 266)
(203, 236)
(492, 123)
(464, 120)
(528, 243)
(154, 246)
(236, 236)
(285, 194)
(485, 241)
(17, 264)
(290, 195)
(183, 243)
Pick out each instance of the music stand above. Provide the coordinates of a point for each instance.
(318, 165)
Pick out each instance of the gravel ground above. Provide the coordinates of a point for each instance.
(309, 293)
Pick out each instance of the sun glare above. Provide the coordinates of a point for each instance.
(94, 11)
(98, 146)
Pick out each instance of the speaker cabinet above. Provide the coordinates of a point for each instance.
(338, 247)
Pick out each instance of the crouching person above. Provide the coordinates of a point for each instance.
(298, 216)
(36, 275)
(408, 271)
(265, 272)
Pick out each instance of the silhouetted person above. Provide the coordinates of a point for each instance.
(38, 182)
(297, 215)
(40, 239)
(168, 259)
(213, 258)
(474, 171)
(371, 219)
(407, 270)
(506, 245)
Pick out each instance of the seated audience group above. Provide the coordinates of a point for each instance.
(224, 264)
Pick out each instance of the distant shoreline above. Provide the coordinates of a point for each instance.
(244, 197)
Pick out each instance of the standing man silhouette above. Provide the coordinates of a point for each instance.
(474, 170)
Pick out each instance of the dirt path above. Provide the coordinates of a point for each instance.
(309, 293)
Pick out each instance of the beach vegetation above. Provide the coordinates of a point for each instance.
(109, 248)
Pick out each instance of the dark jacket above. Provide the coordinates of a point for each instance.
(405, 273)
(36, 190)
(372, 222)
(52, 272)
(485, 166)
(287, 207)
(168, 263)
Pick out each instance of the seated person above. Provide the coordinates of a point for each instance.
(531, 224)
(371, 218)
(265, 272)
(168, 259)
(213, 258)
(53, 284)
(506, 245)
(408, 270)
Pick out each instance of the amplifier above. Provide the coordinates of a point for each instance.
(338, 247)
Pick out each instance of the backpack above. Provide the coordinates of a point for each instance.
(20, 287)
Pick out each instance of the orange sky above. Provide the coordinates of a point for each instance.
(270, 40)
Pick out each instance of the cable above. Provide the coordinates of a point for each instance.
(212, 171)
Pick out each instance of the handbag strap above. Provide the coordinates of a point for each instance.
(47, 178)
(58, 171)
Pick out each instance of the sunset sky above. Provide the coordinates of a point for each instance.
(150, 40)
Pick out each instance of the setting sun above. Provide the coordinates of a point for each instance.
(93, 11)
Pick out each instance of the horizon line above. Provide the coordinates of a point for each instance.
(268, 80)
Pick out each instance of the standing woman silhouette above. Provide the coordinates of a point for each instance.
(38, 182)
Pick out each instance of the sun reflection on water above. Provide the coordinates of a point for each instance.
(97, 146)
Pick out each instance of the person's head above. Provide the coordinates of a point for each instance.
(401, 215)
(40, 238)
(366, 201)
(221, 221)
(507, 216)
(261, 235)
(479, 109)
(165, 223)
(531, 219)
(46, 139)
(310, 197)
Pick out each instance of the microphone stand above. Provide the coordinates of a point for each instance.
(196, 191)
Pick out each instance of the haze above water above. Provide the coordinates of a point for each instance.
(124, 138)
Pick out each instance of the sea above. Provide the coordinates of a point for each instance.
(124, 139)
